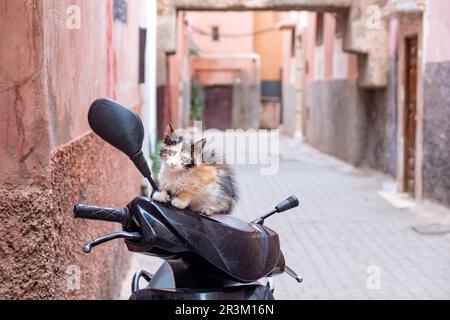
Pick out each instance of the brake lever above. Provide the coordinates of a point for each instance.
(292, 273)
(111, 236)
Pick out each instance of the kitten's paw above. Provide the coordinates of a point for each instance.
(180, 204)
(161, 196)
(207, 212)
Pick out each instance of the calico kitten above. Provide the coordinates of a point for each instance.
(186, 180)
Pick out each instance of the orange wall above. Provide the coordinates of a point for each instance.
(269, 45)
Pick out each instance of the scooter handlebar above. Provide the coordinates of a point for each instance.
(84, 211)
(287, 204)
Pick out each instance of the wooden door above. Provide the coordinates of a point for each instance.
(410, 112)
(218, 107)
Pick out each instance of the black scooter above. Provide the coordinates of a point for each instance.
(206, 257)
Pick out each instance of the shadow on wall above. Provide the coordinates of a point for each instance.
(336, 118)
(353, 124)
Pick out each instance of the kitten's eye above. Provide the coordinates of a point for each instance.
(166, 153)
(186, 160)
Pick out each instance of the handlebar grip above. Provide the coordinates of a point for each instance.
(85, 211)
(287, 204)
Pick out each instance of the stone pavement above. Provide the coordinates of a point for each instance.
(344, 239)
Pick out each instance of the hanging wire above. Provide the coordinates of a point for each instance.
(225, 35)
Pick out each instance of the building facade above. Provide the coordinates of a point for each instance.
(241, 60)
(402, 129)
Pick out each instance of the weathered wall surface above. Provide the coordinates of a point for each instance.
(381, 145)
(24, 141)
(336, 118)
(436, 104)
(436, 132)
(88, 170)
(99, 59)
(41, 241)
(49, 74)
(246, 103)
(355, 125)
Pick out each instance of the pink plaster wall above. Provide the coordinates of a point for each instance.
(228, 23)
(393, 35)
(288, 59)
(100, 59)
(437, 26)
(49, 75)
(329, 37)
(327, 61)
(179, 68)
(24, 138)
(309, 42)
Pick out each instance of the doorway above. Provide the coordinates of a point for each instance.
(410, 112)
(218, 107)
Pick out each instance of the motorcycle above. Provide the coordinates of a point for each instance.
(212, 257)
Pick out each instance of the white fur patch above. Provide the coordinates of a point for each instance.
(180, 204)
(161, 196)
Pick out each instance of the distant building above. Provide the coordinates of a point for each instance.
(243, 63)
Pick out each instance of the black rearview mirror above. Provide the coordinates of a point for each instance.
(121, 128)
(117, 125)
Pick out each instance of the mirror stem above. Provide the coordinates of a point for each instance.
(140, 162)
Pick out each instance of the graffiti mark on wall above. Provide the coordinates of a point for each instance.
(120, 10)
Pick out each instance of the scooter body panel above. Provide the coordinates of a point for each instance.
(169, 283)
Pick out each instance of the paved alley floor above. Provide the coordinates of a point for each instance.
(345, 240)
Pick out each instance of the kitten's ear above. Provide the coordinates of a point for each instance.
(199, 144)
(169, 130)
(170, 135)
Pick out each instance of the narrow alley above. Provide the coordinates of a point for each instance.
(342, 235)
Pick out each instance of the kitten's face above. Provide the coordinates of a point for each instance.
(177, 152)
(175, 156)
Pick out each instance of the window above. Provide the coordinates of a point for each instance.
(215, 33)
(142, 43)
(319, 29)
(339, 25)
(293, 43)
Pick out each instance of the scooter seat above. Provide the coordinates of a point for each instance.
(246, 252)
